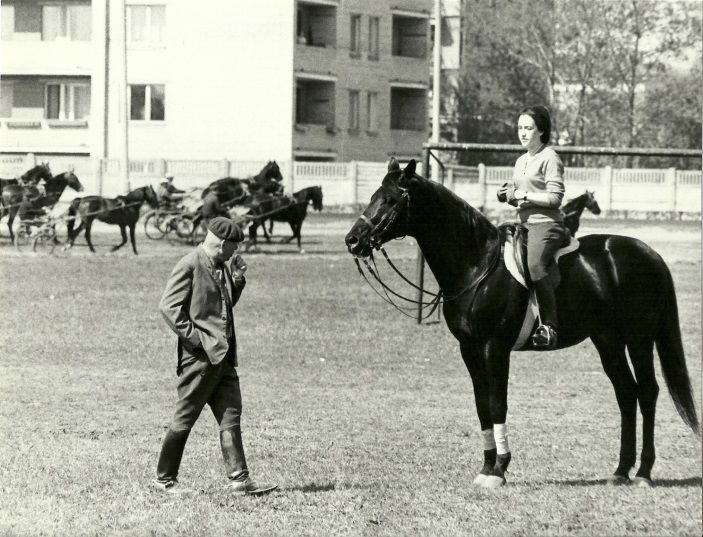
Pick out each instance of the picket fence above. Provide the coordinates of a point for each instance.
(345, 184)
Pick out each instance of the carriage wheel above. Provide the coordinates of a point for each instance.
(184, 226)
(45, 241)
(22, 238)
(154, 226)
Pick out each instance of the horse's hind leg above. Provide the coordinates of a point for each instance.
(123, 232)
(88, 227)
(642, 358)
(131, 238)
(614, 360)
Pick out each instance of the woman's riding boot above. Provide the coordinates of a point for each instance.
(545, 337)
(171, 454)
(233, 452)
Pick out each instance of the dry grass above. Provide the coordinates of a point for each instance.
(364, 419)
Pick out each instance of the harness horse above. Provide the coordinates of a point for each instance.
(574, 208)
(122, 211)
(615, 290)
(16, 192)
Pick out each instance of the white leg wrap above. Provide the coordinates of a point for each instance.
(489, 441)
(500, 433)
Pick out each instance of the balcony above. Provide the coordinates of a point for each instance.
(44, 135)
(46, 57)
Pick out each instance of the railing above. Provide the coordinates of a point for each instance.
(660, 190)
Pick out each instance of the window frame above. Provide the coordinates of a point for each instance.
(372, 112)
(147, 103)
(67, 104)
(148, 26)
(374, 40)
(66, 22)
(355, 35)
(354, 116)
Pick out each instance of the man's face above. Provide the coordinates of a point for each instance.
(226, 250)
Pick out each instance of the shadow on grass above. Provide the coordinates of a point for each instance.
(664, 483)
(313, 487)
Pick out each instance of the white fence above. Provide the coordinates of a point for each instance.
(644, 190)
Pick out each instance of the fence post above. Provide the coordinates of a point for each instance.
(670, 181)
(225, 167)
(482, 185)
(450, 179)
(99, 175)
(606, 181)
(290, 173)
(162, 168)
(30, 160)
(353, 178)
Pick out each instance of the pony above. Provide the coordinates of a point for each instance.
(574, 208)
(615, 290)
(292, 209)
(232, 191)
(122, 211)
(27, 200)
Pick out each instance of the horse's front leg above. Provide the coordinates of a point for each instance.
(131, 238)
(489, 367)
(123, 232)
(476, 366)
(10, 219)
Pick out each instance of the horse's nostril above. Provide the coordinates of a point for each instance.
(352, 241)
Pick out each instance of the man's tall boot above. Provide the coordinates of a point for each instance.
(170, 461)
(545, 336)
(236, 465)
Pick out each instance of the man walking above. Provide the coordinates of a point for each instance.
(198, 305)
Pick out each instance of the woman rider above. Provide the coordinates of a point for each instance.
(537, 191)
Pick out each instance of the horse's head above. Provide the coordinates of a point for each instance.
(315, 195)
(72, 181)
(388, 213)
(37, 173)
(591, 203)
(272, 171)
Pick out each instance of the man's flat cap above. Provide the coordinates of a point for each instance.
(225, 229)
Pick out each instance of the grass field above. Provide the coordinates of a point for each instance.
(365, 419)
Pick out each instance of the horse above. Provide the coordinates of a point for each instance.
(284, 209)
(122, 211)
(615, 290)
(233, 191)
(27, 200)
(574, 208)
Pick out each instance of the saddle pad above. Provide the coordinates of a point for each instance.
(532, 307)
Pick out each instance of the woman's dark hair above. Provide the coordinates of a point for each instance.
(543, 122)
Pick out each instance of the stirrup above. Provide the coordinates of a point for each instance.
(545, 337)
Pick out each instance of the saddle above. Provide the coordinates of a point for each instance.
(514, 244)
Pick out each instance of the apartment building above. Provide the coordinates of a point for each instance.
(325, 80)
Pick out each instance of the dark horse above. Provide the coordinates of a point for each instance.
(573, 209)
(615, 290)
(232, 191)
(12, 191)
(285, 209)
(27, 200)
(122, 211)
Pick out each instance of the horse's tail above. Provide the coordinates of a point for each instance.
(671, 355)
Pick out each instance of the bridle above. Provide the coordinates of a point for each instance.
(375, 239)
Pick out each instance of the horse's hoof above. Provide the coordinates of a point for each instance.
(493, 482)
(619, 480)
(480, 480)
(642, 482)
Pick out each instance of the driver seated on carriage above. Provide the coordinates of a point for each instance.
(169, 195)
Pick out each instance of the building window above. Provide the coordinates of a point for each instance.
(147, 102)
(5, 99)
(373, 38)
(355, 36)
(408, 109)
(354, 110)
(372, 112)
(67, 101)
(146, 23)
(315, 103)
(316, 25)
(70, 22)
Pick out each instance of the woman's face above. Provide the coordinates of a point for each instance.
(527, 132)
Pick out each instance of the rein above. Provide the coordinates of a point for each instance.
(376, 231)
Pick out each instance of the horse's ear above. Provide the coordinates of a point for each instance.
(409, 170)
(393, 165)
